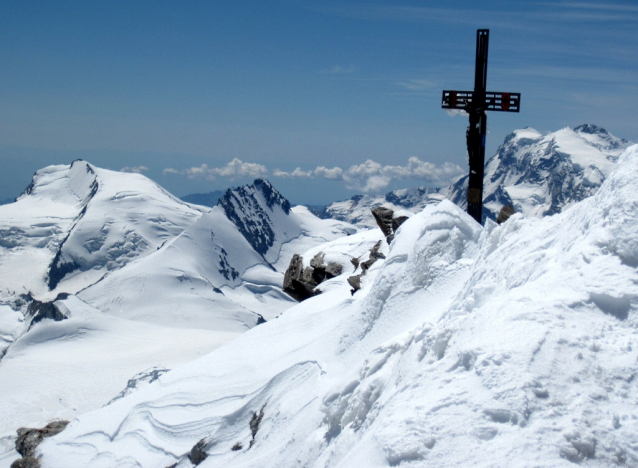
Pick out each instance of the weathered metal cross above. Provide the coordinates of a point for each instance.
(475, 103)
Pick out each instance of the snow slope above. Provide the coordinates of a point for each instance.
(509, 345)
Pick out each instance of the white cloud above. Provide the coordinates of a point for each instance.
(135, 169)
(371, 176)
(233, 170)
(336, 173)
(237, 168)
(297, 173)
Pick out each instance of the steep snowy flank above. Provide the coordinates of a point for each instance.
(261, 214)
(511, 345)
(357, 209)
(540, 175)
(225, 272)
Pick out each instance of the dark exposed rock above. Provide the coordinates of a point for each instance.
(197, 454)
(301, 283)
(308, 277)
(505, 214)
(317, 260)
(374, 251)
(26, 462)
(294, 284)
(242, 207)
(238, 446)
(355, 282)
(383, 217)
(38, 311)
(387, 222)
(147, 376)
(301, 291)
(294, 271)
(333, 269)
(398, 221)
(29, 438)
(255, 421)
(355, 262)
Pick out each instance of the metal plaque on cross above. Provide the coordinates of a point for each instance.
(475, 103)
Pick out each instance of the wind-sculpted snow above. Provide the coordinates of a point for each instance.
(511, 345)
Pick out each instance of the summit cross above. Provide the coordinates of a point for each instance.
(475, 103)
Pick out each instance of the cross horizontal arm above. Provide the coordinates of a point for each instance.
(494, 101)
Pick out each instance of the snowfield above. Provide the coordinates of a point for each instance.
(509, 346)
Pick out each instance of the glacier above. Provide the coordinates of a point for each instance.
(511, 345)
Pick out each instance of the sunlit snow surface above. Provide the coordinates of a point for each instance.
(153, 282)
(468, 346)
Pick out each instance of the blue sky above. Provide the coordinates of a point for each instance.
(324, 98)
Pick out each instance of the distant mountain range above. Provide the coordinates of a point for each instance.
(537, 174)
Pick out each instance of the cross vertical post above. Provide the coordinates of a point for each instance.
(475, 103)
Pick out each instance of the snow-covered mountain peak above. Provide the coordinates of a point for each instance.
(75, 223)
(540, 174)
(82, 181)
(261, 214)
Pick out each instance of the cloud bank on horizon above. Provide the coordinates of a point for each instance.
(367, 177)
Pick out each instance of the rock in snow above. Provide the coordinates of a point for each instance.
(510, 345)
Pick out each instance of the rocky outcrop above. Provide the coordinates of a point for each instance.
(505, 214)
(197, 454)
(29, 438)
(355, 280)
(37, 310)
(301, 283)
(387, 222)
(244, 207)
